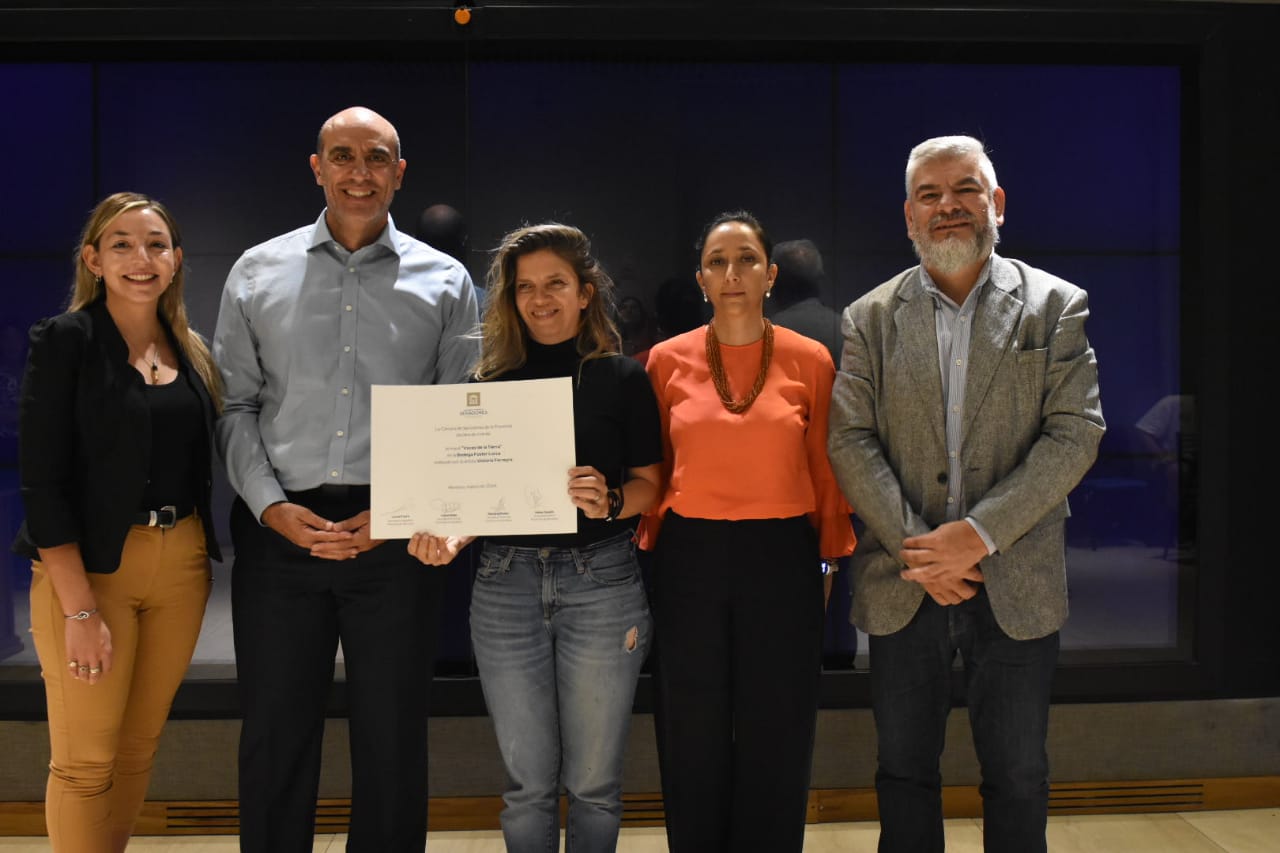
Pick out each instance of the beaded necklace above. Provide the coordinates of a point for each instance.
(721, 381)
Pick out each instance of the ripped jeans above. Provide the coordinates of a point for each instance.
(559, 636)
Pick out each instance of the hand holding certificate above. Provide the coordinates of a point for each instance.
(472, 460)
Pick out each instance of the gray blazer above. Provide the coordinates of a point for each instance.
(1029, 432)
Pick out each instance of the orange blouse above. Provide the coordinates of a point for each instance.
(770, 461)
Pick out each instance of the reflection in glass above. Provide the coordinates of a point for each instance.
(650, 150)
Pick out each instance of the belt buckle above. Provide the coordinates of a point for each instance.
(158, 517)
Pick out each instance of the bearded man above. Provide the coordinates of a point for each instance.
(965, 409)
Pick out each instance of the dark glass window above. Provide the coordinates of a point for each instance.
(639, 154)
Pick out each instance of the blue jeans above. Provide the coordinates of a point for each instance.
(559, 637)
(1007, 686)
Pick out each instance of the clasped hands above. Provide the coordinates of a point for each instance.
(328, 540)
(945, 561)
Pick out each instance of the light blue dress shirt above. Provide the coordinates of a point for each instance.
(954, 324)
(306, 327)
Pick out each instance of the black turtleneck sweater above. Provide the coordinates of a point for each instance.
(615, 425)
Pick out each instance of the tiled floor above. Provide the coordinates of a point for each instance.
(1248, 831)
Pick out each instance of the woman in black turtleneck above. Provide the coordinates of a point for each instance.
(560, 623)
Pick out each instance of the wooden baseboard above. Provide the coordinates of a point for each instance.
(830, 805)
(1068, 798)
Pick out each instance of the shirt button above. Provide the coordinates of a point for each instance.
(351, 269)
(959, 362)
(950, 499)
(341, 433)
(952, 454)
(335, 473)
(955, 408)
(346, 349)
(348, 307)
(345, 392)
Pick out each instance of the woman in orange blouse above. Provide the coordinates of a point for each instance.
(749, 517)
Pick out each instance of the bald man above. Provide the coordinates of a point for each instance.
(309, 322)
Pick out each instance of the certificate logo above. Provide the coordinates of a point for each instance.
(473, 408)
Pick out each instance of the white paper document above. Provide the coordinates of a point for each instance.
(487, 458)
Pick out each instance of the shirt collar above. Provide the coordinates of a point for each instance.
(322, 236)
(926, 281)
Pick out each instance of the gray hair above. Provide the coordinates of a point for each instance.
(951, 147)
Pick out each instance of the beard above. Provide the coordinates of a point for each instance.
(950, 255)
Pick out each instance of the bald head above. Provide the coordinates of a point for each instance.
(358, 164)
(359, 117)
(442, 227)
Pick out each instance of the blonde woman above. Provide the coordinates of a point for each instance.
(115, 424)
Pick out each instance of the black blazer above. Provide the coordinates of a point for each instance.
(84, 439)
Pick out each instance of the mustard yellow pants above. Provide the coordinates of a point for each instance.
(103, 737)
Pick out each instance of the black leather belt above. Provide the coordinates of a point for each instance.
(164, 517)
(332, 492)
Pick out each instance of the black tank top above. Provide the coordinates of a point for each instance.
(177, 428)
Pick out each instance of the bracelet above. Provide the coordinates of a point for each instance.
(81, 616)
(615, 505)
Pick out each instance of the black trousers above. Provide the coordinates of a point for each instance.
(289, 611)
(738, 615)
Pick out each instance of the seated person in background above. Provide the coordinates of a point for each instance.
(678, 309)
(442, 227)
(796, 295)
(635, 325)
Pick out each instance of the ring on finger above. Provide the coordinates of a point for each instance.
(84, 667)
(71, 664)
(95, 670)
